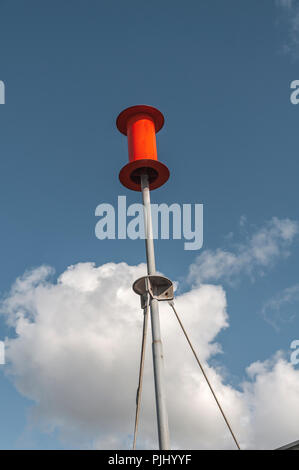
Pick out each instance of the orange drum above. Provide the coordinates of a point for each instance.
(140, 124)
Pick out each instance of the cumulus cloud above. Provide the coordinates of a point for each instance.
(272, 396)
(76, 353)
(259, 252)
(77, 347)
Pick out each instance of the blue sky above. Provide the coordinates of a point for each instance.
(220, 72)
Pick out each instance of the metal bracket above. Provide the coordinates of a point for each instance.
(158, 287)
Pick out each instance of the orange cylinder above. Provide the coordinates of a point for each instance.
(141, 135)
(140, 124)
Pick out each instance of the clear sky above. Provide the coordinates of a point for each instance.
(220, 72)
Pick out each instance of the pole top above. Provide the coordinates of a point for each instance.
(126, 114)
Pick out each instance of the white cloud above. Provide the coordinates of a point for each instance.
(77, 347)
(283, 307)
(260, 251)
(291, 8)
(76, 356)
(272, 396)
(285, 3)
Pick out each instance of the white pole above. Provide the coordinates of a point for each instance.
(162, 417)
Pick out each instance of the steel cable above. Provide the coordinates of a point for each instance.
(141, 369)
(204, 374)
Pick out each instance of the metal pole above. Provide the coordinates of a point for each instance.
(162, 417)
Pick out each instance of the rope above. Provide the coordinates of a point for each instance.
(141, 368)
(204, 374)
